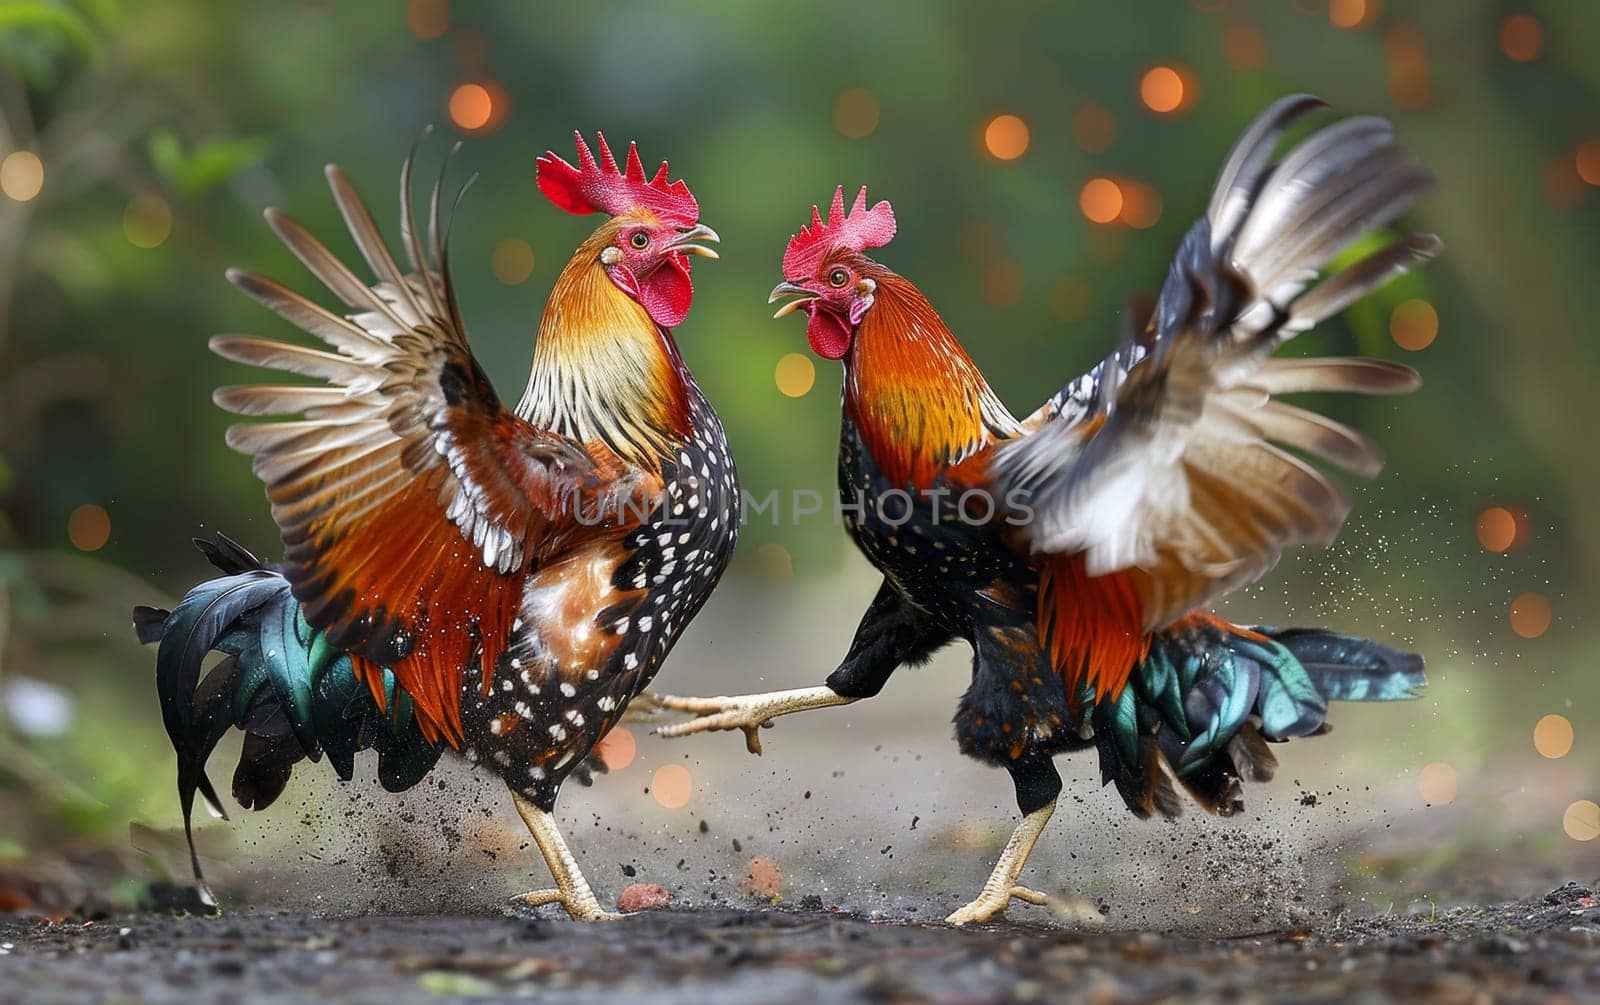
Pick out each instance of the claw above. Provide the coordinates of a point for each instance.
(577, 908)
(990, 905)
(746, 713)
(715, 714)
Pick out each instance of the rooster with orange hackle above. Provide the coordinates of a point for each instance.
(1077, 549)
(456, 573)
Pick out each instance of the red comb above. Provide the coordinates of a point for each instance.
(602, 188)
(858, 230)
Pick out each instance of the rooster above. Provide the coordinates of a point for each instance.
(456, 573)
(1077, 549)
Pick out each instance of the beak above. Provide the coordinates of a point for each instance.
(788, 289)
(699, 232)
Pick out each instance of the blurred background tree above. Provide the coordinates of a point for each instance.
(1043, 162)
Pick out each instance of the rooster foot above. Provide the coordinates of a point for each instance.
(579, 907)
(748, 713)
(990, 905)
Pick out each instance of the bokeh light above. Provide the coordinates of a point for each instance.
(1101, 200)
(617, 749)
(21, 175)
(1070, 298)
(1501, 529)
(672, 785)
(1165, 89)
(1409, 80)
(1581, 821)
(855, 113)
(477, 106)
(1003, 283)
(147, 222)
(1438, 784)
(1521, 37)
(1552, 736)
(1530, 615)
(1094, 128)
(1243, 46)
(771, 562)
(795, 374)
(512, 261)
(1352, 13)
(1587, 161)
(1414, 325)
(1006, 137)
(428, 19)
(1141, 205)
(89, 527)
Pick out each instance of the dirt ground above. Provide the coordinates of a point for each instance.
(1542, 949)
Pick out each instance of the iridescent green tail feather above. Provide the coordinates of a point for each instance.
(279, 681)
(1209, 697)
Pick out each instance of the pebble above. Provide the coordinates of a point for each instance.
(643, 897)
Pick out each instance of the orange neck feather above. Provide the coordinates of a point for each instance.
(918, 400)
(602, 370)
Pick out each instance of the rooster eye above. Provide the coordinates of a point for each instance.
(838, 277)
(641, 240)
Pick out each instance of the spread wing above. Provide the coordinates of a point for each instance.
(409, 499)
(1167, 462)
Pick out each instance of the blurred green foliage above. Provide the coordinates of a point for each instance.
(217, 110)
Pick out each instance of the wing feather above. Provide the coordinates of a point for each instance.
(410, 501)
(1174, 467)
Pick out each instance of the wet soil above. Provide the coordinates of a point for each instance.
(1541, 949)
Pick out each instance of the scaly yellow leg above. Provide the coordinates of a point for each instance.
(1001, 886)
(572, 890)
(748, 712)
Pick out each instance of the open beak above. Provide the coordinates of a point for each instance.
(699, 232)
(788, 289)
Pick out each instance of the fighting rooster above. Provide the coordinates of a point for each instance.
(457, 573)
(1076, 550)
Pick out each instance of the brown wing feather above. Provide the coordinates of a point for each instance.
(1179, 473)
(410, 501)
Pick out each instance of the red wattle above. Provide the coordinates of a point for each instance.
(668, 292)
(828, 334)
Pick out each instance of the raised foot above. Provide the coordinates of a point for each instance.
(578, 908)
(991, 905)
(747, 713)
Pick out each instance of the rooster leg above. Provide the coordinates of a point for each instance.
(1001, 885)
(572, 890)
(747, 712)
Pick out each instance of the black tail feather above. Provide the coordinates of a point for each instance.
(265, 685)
(229, 555)
(149, 623)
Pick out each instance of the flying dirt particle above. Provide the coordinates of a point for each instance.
(643, 897)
